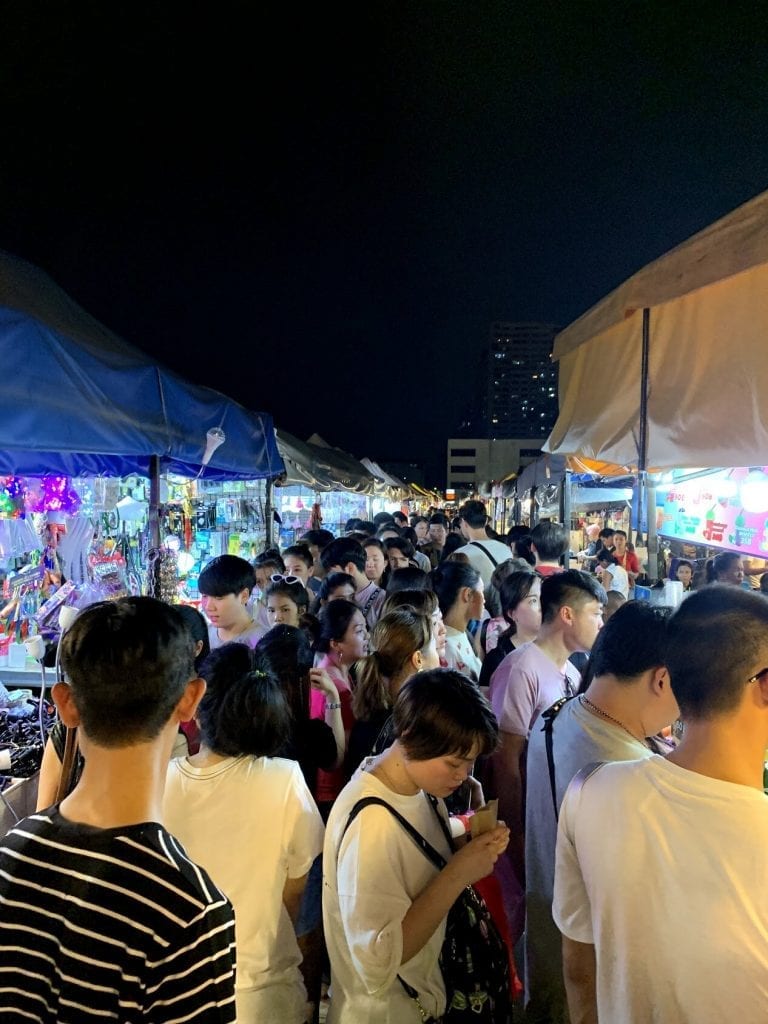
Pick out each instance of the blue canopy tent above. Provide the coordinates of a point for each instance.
(77, 400)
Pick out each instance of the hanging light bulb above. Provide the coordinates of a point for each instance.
(213, 440)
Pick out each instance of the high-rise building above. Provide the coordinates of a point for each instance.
(521, 395)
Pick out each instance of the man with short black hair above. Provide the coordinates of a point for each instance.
(437, 534)
(628, 702)
(104, 916)
(530, 679)
(681, 836)
(347, 555)
(483, 554)
(549, 542)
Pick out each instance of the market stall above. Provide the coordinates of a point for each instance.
(679, 349)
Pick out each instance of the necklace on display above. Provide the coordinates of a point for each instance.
(586, 702)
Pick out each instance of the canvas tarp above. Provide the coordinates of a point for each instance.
(78, 400)
(315, 464)
(707, 372)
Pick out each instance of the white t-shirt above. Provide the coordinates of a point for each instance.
(478, 558)
(614, 577)
(250, 636)
(460, 654)
(665, 871)
(371, 878)
(251, 823)
(579, 737)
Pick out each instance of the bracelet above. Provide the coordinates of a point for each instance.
(332, 705)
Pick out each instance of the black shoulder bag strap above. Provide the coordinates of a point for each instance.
(426, 848)
(549, 717)
(486, 552)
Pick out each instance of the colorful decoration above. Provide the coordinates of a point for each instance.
(51, 494)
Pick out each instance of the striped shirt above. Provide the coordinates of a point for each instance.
(110, 925)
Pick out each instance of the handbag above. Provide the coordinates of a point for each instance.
(473, 957)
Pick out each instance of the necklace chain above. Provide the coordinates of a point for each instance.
(604, 714)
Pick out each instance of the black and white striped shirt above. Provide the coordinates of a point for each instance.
(110, 925)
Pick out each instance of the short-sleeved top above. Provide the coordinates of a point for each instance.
(628, 561)
(647, 848)
(110, 924)
(251, 823)
(460, 654)
(526, 683)
(485, 555)
(371, 878)
(249, 636)
(369, 600)
(619, 579)
(579, 737)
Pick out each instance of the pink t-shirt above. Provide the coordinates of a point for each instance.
(330, 784)
(526, 683)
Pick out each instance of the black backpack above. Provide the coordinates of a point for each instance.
(473, 958)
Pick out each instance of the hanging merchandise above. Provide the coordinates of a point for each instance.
(162, 577)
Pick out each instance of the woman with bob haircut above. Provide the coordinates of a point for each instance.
(249, 819)
(385, 902)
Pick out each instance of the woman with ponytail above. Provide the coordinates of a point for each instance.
(249, 819)
(402, 643)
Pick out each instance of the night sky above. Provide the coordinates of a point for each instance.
(320, 209)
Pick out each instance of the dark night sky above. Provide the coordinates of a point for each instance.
(320, 211)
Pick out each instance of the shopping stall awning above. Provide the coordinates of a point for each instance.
(78, 400)
(707, 371)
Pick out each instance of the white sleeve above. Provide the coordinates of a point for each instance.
(571, 910)
(303, 828)
(373, 899)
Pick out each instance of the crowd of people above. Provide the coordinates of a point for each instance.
(275, 802)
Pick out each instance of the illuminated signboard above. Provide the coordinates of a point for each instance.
(724, 509)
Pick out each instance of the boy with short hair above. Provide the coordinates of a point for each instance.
(346, 555)
(225, 585)
(104, 917)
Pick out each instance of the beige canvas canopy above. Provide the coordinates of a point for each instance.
(707, 356)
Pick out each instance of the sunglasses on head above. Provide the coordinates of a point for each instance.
(279, 578)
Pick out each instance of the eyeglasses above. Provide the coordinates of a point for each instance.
(758, 675)
(278, 578)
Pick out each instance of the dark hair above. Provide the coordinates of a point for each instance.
(684, 561)
(720, 564)
(453, 542)
(373, 542)
(764, 583)
(550, 540)
(438, 519)
(572, 587)
(607, 556)
(286, 652)
(514, 589)
(128, 663)
(244, 709)
(424, 601)
(341, 552)
(713, 642)
(394, 638)
(441, 712)
(297, 593)
(226, 574)
(632, 641)
(269, 562)
(300, 551)
(383, 517)
(390, 527)
(400, 517)
(334, 622)
(408, 533)
(419, 519)
(333, 580)
(409, 578)
(449, 578)
(399, 544)
(607, 531)
(366, 526)
(620, 533)
(318, 538)
(474, 514)
(519, 540)
(198, 629)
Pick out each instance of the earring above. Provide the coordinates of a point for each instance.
(341, 657)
